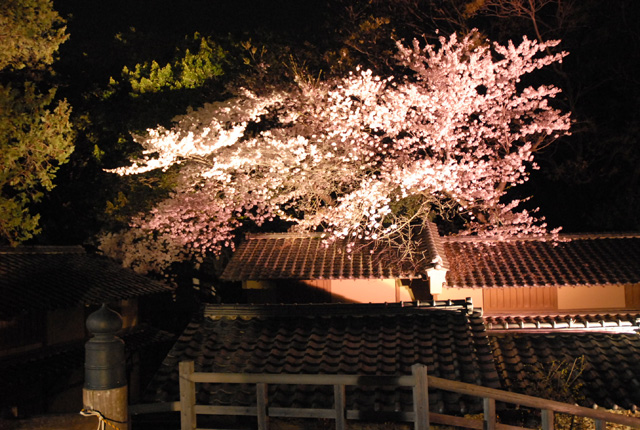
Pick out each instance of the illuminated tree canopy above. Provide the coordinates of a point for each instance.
(361, 156)
(35, 130)
(31, 32)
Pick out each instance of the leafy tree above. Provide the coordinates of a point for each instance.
(35, 132)
(144, 95)
(360, 156)
(189, 71)
(30, 33)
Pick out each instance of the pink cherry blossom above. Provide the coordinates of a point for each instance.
(362, 156)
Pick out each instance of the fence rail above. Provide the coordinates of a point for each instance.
(418, 380)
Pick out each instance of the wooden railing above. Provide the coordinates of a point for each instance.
(418, 380)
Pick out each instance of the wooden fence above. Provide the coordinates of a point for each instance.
(418, 380)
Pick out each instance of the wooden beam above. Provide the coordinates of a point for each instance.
(262, 402)
(304, 379)
(151, 408)
(328, 414)
(420, 397)
(489, 406)
(111, 404)
(339, 400)
(547, 419)
(419, 380)
(187, 396)
(533, 402)
(226, 410)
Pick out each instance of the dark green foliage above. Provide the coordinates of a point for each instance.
(35, 130)
(30, 31)
(189, 71)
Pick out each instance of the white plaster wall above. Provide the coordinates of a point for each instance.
(349, 290)
(367, 291)
(591, 297)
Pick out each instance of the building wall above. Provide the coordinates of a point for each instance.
(128, 310)
(65, 325)
(546, 298)
(368, 291)
(612, 296)
(520, 298)
(632, 296)
(499, 300)
(324, 290)
(23, 333)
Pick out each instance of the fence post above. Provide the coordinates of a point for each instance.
(547, 419)
(105, 381)
(489, 406)
(339, 404)
(420, 397)
(187, 396)
(262, 404)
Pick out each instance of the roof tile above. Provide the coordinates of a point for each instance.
(310, 256)
(610, 357)
(43, 277)
(541, 262)
(347, 339)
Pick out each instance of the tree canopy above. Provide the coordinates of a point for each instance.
(30, 33)
(130, 66)
(35, 129)
(360, 156)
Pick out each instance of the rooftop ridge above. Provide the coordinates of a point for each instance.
(548, 237)
(625, 321)
(326, 309)
(43, 249)
(437, 243)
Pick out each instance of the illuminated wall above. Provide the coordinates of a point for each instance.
(338, 291)
(591, 297)
(368, 291)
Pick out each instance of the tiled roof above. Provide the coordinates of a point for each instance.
(331, 339)
(472, 262)
(33, 278)
(309, 256)
(611, 321)
(611, 373)
(573, 260)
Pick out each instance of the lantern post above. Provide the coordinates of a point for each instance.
(105, 383)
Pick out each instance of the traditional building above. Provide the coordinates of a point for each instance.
(301, 268)
(47, 293)
(567, 273)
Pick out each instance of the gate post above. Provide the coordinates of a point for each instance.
(105, 382)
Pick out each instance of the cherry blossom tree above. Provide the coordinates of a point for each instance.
(362, 156)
